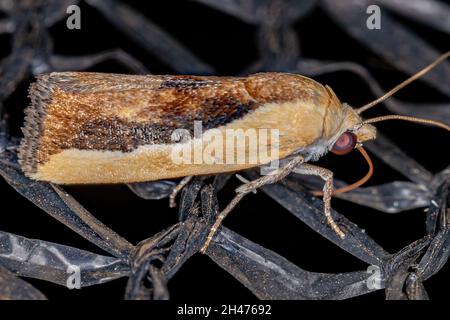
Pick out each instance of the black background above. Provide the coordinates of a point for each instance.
(229, 45)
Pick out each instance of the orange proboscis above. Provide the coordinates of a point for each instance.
(356, 184)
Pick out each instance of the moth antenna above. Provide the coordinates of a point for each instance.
(404, 83)
(408, 118)
(358, 183)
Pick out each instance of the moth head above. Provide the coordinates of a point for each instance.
(353, 132)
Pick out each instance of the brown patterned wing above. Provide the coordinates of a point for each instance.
(112, 112)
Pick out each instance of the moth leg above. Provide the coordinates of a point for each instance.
(177, 189)
(246, 188)
(327, 176)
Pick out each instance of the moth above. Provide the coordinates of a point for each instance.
(94, 128)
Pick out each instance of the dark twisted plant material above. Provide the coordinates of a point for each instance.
(153, 262)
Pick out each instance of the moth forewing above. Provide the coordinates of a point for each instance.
(93, 128)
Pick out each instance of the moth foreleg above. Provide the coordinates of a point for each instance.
(177, 189)
(327, 176)
(248, 187)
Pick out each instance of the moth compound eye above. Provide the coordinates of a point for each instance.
(345, 143)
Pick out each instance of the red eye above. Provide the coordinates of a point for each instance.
(345, 143)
